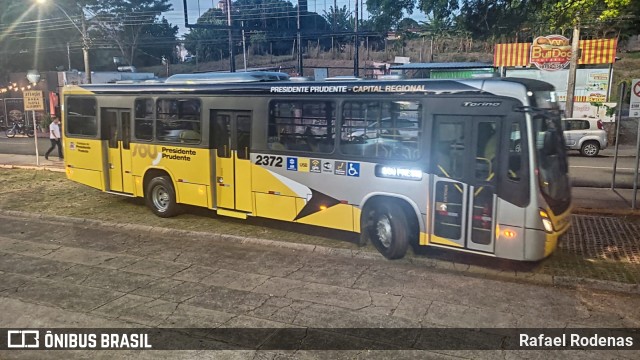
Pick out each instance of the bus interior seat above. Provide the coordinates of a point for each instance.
(325, 147)
(277, 146)
(189, 136)
(376, 150)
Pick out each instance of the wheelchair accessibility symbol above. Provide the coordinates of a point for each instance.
(353, 169)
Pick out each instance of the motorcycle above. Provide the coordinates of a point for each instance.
(18, 128)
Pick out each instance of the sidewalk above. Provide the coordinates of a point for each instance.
(585, 199)
(29, 162)
(624, 150)
(604, 201)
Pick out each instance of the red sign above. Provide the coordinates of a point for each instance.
(636, 89)
(551, 52)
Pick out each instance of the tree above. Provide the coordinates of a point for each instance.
(34, 37)
(567, 13)
(576, 13)
(439, 10)
(157, 40)
(484, 18)
(123, 22)
(208, 44)
(386, 14)
(341, 19)
(258, 42)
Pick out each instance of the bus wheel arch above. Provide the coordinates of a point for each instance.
(160, 194)
(390, 224)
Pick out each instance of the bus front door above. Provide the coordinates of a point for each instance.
(116, 130)
(465, 150)
(231, 134)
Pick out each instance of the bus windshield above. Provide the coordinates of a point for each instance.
(552, 161)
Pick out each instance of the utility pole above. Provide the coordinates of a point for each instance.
(244, 48)
(68, 57)
(356, 43)
(573, 68)
(300, 69)
(165, 62)
(85, 47)
(85, 37)
(232, 60)
(333, 27)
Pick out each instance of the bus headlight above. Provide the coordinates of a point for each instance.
(546, 221)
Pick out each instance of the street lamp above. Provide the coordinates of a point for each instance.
(33, 76)
(83, 32)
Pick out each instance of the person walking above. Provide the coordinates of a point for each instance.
(54, 136)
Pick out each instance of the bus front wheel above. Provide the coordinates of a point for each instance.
(388, 230)
(161, 197)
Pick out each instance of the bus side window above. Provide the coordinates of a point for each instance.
(222, 135)
(81, 116)
(143, 121)
(515, 153)
(449, 149)
(178, 120)
(301, 125)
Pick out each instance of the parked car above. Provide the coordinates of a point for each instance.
(586, 135)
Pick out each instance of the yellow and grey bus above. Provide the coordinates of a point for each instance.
(476, 165)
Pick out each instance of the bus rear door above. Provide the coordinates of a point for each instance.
(465, 150)
(116, 130)
(231, 134)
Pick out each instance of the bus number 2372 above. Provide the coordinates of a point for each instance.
(269, 160)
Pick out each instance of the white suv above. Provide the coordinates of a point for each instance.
(586, 135)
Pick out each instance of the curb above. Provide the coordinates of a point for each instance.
(447, 266)
(32, 167)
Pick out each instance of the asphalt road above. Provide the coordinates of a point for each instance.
(52, 275)
(598, 171)
(584, 172)
(23, 145)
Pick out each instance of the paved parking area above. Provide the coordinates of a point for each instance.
(601, 237)
(52, 275)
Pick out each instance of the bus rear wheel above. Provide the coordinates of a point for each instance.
(160, 197)
(388, 230)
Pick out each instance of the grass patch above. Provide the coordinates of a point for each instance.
(50, 193)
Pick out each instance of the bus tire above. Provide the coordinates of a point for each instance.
(160, 197)
(389, 230)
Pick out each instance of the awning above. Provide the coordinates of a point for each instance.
(600, 51)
